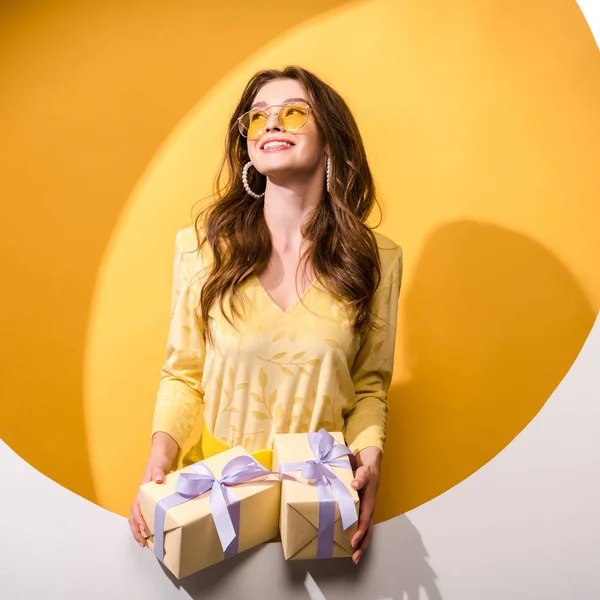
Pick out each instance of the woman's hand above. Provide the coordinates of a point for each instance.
(162, 456)
(366, 481)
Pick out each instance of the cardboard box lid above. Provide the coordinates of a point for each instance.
(301, 497)
(294, 447)
(197, 508)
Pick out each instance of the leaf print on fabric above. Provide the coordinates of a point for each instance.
(260, 415)
(218, 382)
(332, 343)
(248, 438)
(262, 378)
(234, 435)
(272, 398)
(287, 366)
(276, 359)
(327, 413)
(278, 336)
(267, 413)
(279, 412)
(227, 394)
(299, 420)
(255, 329)
(240, 334)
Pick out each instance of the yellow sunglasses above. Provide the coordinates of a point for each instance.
(292, 117)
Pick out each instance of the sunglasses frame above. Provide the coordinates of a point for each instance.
(268, 114)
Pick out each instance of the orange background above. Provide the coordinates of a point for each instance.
(482, 126)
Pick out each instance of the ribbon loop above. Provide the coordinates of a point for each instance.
(224, 505)
(327, 454)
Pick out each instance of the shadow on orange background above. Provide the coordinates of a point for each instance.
(507, 311)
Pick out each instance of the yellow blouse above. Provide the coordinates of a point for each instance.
(290, 371)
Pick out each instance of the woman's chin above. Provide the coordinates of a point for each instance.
(276, 171)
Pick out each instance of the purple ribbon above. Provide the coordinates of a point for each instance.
(224, 506)
(327, 454)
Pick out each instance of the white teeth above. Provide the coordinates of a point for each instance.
(276, 144)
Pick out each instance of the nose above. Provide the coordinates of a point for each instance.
(273, 123)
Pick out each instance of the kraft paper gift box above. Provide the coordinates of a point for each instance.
(311, 524)
(189, 539)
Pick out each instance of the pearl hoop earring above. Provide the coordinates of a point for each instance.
(328, 173)
(245, 182)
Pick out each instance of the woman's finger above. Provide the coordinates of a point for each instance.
(154, 471)
(158, 474)
(137, 515)
(136, 531)
(364, 519)
(360, 478)
(363, 544)
(368, 482)
(139, 527)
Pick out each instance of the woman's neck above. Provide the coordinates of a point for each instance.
(286, 208)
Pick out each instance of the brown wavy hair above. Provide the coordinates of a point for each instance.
(342, 248)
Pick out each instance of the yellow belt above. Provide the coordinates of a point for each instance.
(208, 446)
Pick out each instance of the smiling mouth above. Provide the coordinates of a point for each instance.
(276, 146)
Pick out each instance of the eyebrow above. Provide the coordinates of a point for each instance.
(257, 104)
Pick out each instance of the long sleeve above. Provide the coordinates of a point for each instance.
(180, 393)
(365, 424)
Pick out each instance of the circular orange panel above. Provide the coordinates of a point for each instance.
(482, 130)
(481, 151)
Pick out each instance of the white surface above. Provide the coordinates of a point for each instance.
(525, 526)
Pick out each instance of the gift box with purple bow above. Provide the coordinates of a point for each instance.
(210, 511)
(319, 511)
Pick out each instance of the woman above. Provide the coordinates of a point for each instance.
(284, 301)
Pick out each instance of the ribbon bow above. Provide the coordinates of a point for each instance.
(327, 454)
(224, 506)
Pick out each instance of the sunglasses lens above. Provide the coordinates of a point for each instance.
(254, 122)
(293, 116)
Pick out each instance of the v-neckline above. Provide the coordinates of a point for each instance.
(298, 300)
